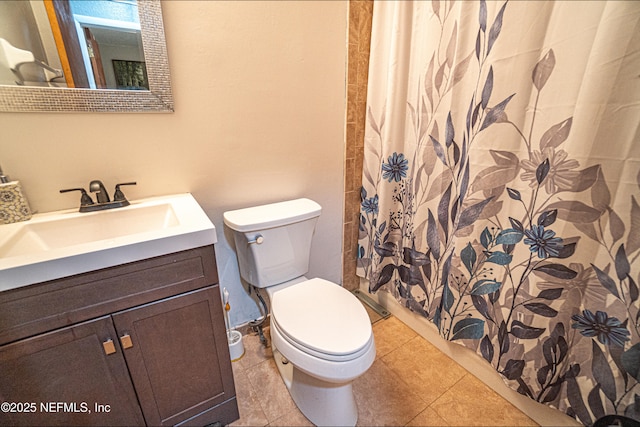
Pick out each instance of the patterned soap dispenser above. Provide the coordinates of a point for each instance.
(13, 203)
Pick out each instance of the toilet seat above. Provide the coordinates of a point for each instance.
(322, 319)
(321, 355)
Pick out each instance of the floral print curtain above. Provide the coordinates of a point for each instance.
(501, 188)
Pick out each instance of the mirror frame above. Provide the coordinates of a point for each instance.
(157, 99)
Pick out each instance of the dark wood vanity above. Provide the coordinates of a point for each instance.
(139, 343)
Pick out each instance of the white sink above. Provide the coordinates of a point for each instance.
(59, 244)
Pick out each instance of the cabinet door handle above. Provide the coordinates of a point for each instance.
(109, 346)
(126, 341)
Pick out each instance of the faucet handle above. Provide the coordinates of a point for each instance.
(85, 200)
(119, 195)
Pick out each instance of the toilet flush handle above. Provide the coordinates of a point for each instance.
(257, 239)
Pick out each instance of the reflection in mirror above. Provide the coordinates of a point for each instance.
(110, 31)
(84, 55)
(24, 58)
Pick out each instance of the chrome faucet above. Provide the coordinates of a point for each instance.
(96, 186)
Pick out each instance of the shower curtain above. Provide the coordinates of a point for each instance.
(501, 188)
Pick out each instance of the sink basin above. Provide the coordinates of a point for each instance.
(64, 243)
(76, 230)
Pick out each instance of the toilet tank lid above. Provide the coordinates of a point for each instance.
(271, 215)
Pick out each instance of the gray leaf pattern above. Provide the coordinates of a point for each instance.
(492, 244)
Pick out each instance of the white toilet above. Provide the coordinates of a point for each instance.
(318, 327)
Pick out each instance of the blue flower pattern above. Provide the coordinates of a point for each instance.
(396, 168)
(370, 205)
(543, 242)
(608, 330)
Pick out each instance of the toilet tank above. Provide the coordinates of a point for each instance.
(273, 241)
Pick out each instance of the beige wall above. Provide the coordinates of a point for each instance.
(259, 90)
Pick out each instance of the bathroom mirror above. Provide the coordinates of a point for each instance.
(151, 93)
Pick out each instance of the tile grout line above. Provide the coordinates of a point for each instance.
(443, 393)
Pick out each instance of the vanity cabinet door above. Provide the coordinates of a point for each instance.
(175, 349)
(71, 376)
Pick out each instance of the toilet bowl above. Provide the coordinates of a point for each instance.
(318, 328)
(321, 334)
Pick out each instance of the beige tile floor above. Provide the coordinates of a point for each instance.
(411, 383)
